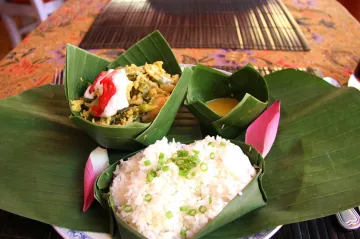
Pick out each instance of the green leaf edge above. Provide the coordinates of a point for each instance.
(71, 52)
(168, 111)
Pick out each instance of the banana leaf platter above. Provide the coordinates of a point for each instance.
(245, 85)
(86, 66)
(253, 197)
(311, 170)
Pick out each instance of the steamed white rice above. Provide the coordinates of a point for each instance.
(226, 175)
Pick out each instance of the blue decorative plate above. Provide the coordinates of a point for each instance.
(71, 234)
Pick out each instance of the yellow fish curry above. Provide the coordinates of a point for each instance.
(222, 106)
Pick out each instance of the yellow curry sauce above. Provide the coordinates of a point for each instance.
(222, 106)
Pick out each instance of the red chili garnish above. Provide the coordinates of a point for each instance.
(109, 89)
(99, 77)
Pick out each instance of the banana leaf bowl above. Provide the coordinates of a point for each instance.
(253, 197)
(84, 65)
(246, 85)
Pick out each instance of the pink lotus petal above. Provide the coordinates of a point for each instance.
(261, 133)
(98, 161)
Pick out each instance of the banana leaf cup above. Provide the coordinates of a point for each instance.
(82, 68)
(246, 85)
(253, 197)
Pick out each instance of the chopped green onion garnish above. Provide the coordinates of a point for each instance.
(212, 155)
(212, 144)
(203, 167)
(147, 162)
(192, 212)
(180, 162)
(160, 161)
(202, 209)
(195, 159)
(148, 198)
(150, 176)
(183, 232)
(165, 168)
(196, 151)
(184, 208)
(186, 163)
(191, 176)
(174, 155)
(210, 199)
(223, 143)
(183, 173)
(169, 214)
(127, 208)
(182, 153)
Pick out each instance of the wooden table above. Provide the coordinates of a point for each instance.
(334, 37)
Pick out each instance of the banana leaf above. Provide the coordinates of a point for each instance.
(252, 198)
(86, 66)
(245, 85)
(311, 170)
(43, 155)
(42, 160)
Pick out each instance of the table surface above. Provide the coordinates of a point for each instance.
(333, 34)
(334, 37)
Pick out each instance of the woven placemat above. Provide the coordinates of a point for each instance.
(15, 227)
(321, 228)
(237, 24)
(267, 70)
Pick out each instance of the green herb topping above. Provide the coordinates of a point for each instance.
(202, 209)
(148, 198)
(127, 208)
(169, 214)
